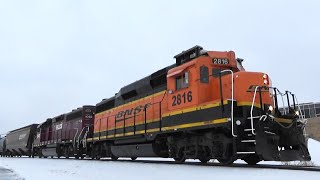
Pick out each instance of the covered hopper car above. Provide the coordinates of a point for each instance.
(2, 146)
(19, 142)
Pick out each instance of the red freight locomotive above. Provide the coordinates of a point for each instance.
(65, 135)
(205, 106)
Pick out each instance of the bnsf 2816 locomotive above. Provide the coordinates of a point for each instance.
(205, 106)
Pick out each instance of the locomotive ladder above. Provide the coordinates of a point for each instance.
(232, 112)
(250, 132)
(232, 98)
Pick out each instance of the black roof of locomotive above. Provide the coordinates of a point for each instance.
(141, 88)
(58, 118)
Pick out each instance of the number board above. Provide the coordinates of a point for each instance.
(182, 98)
(222, 61)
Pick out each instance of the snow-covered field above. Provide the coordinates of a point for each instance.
(62, 169)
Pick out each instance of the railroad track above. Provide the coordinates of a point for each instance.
(235, 165)
(212, 164)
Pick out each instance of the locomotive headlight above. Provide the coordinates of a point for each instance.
(265, 76)
(271, 108)
(266, 79)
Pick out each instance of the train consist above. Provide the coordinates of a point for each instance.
(205, 106)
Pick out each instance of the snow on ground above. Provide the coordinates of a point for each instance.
(62, 169)
(8, 174)
(314, 149)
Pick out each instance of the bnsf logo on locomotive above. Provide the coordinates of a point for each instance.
(132, 111)
(252, 88)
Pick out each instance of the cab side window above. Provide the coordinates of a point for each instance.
(204, 74)
(182, 81)
(216, 72)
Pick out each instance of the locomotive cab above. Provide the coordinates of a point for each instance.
(196, 79)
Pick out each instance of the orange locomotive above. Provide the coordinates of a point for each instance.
(205, 106)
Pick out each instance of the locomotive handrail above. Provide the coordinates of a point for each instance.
(84, 142)
(74, 138)
(145, 120)
(84, 137)
(124, 124)
(60, 135)
(115, 126)
(100, 128)
(276, 105)
(78, 140)
(251, 111)
(295, 102)
(107, 129)
(299, 107)
(282, 94)
(232, 99)
(134, 119)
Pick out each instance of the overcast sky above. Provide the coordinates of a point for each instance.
(58, 55)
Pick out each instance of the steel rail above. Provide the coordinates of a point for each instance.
(210, 164)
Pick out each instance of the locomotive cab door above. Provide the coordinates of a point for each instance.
(182, 91)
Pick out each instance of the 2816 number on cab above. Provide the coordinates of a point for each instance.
(182, 98)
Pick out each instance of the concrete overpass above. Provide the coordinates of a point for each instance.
(313, 128)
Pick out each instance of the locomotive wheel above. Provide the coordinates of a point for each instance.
(252, 160)
(133, 158)
(229, 156)
(180, 157)
(204, 159)
(114, 158)
(180, 160)
(226, 161)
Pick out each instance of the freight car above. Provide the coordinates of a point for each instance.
(65, 135)
(205, 106)
(19, 142)
(2, 146)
